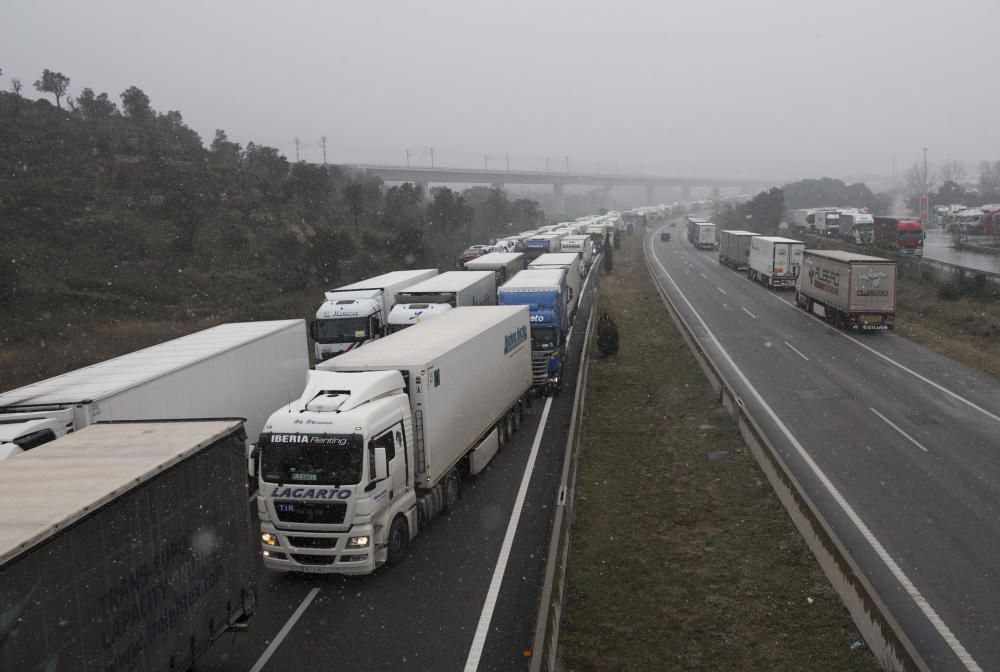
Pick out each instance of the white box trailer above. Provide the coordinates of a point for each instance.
(734, 248)
(703, 235)
(775, 261)
(575, 275)
(852, 291)
(437, 295)
(505, 265)
(240, 369)
(125, 546)
(581, 244)
(374, 448)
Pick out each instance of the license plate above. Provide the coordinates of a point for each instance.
(312, 569)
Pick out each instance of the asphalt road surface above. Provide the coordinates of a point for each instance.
(897, 445)
(424, 613)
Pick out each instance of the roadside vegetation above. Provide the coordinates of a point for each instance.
(682, 557)
(121, 229)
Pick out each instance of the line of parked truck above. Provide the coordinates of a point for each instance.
(138, 551)
(852, 291)
(894, 234)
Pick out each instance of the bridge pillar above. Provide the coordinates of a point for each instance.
(650, 193)
(685, 192)
(557, 191)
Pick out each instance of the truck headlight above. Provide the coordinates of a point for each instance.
(357, 542)
(269, 539)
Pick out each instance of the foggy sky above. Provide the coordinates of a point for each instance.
(779, 89)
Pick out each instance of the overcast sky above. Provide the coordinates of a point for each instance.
(744, 89)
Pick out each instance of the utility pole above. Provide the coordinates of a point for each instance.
(407, 158)
(322, 141)
(507, 156)
(298, 143)
(486, 162)
(926, 185)
(432, 157)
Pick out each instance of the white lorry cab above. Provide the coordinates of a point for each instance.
(437, 295)
(355, 314)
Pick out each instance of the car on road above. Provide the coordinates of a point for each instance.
(472, 252)
(665, 236)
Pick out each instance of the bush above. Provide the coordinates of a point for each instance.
(949, 292)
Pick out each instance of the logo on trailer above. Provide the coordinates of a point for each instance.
(515, 338)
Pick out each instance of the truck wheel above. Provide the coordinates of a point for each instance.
(452, 491)
(509, 424)
(399, 538)
(501, 434)
(518, 414)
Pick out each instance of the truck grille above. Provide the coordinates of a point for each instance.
(314, 559)
(295, 511)
(539, 368)
(313, 542)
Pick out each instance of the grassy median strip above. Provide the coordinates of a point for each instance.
(681, 555)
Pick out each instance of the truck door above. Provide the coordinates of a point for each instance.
(395, 455)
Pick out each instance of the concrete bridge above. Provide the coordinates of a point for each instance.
(424, 176)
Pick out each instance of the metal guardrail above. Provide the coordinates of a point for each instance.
(546, 639)
(883, 634)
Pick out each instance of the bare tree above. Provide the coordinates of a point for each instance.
(15, 88)
(55, 83)
(953, 171)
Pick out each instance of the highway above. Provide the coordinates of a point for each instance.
(428, 612)
(896, 445)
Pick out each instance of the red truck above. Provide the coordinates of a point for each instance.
(902, 235)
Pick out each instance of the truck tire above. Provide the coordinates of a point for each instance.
(398, 539)
(518, 413)
(501, 434)
(509, 423)
(452, 488)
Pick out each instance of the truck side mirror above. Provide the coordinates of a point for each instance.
(381, 464)
(252, 456)
(312, 329)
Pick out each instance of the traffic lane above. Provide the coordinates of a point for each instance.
(430, 603)
(823, 434)
(513, 625)
(417, 615)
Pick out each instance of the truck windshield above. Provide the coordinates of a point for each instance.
(543, 338)
(911, 235)
(323, 459)
(342, 330)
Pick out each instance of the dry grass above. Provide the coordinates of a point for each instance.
(679, 562)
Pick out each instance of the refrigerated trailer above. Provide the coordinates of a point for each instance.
(775, 261)
(734, 248)
(851, 291)
(572, 264)
(505, 265)
(240, 369)
(380, 440)
(125, 546)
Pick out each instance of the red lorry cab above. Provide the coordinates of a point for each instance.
(904, 235)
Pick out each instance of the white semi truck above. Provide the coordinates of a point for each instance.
(775, 261)
(582, 244)
(125, 546)
(381, 438)
(857, 227)
(241, 369)
(571, 262)
(505, 265)
(435, 296)
(355, 314)
(852, 291)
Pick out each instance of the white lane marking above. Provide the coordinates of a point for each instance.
(937, 386)
(720, 289)
(749, 313)
(898, 429)
(701, 274)
(276, 642)
(796, 351)
(483, 629)
(956, 646)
